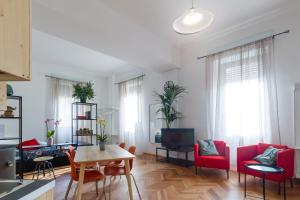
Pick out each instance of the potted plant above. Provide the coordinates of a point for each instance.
(83, 91)
(102, 138)
(170, 95)
(102, 141)
(51, 132)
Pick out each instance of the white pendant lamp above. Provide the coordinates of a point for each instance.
(193, 20)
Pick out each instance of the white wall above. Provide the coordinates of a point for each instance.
(34, 95)
(287, 61)
(152, 81)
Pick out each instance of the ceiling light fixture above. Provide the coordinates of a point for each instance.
(193, 21)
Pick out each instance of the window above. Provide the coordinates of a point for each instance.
(59, 107)
(241, 95)
(130, 111)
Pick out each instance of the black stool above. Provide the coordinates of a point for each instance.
(43, 162)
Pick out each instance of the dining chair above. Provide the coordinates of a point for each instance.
(116, 170)
(118, 162)
(77, 166)
(90, 175)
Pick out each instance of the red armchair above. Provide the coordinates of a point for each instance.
(285, 159)
(219, 162)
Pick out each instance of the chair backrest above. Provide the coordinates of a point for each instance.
(122, 145)
(72, 151)
(131, 150)
(261, 147)
(72, 166)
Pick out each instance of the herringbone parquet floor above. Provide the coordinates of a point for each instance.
(162, 181)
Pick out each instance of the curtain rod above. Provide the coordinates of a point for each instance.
(49, 76)
(273, 36)
(140, 76)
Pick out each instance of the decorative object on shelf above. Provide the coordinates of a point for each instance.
(9, 112)
(170, 95)
(193, 21)
(102, 138)
(81, 117)
(84, 131)
(9, 90)
(83, 91)
(88, 114)
(51, 132)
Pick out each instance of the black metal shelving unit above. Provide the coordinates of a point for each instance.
(19, 118)
(78, 109)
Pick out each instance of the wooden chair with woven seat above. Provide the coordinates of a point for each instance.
(90, 175)
(116, 170)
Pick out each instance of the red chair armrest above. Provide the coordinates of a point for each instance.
(246, 153)
(196, 151)
(227, 152)
(286, 159)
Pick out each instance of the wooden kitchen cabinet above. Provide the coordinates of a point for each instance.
(15, 40)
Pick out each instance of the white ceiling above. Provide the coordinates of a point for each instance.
(52, 50)
(158, 15)
(139, 32)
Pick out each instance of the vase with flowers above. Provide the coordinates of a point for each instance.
(102, 138)
(51, 127)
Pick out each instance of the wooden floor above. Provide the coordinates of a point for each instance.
(162, 181)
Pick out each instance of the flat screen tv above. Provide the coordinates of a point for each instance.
(176, 138)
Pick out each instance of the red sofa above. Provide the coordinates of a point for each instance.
(285, 159)
(218, 162)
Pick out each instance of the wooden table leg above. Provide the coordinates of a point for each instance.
(127, 168)
(80, 181)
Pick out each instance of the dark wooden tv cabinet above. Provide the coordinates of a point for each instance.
(185, 150)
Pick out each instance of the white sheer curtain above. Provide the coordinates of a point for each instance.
(131, 129)
(59, 107)
(241, 95)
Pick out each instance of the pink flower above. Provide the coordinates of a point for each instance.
(56, 123)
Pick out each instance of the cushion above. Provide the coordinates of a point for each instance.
(268, 157)
(220, 146)
(261, 147)
(31, 142)
(207, 148)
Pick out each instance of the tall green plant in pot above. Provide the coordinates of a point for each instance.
(83, 91)
(170, 95)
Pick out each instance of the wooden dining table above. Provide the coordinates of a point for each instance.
(87, 154)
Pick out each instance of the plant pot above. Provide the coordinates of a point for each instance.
(83, 100)
(102, 146)
(49, 141)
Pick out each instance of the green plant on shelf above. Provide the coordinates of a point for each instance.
(83, 91)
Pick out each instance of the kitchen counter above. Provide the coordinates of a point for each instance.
(28, 190)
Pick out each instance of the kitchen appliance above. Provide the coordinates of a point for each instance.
(8, 162)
